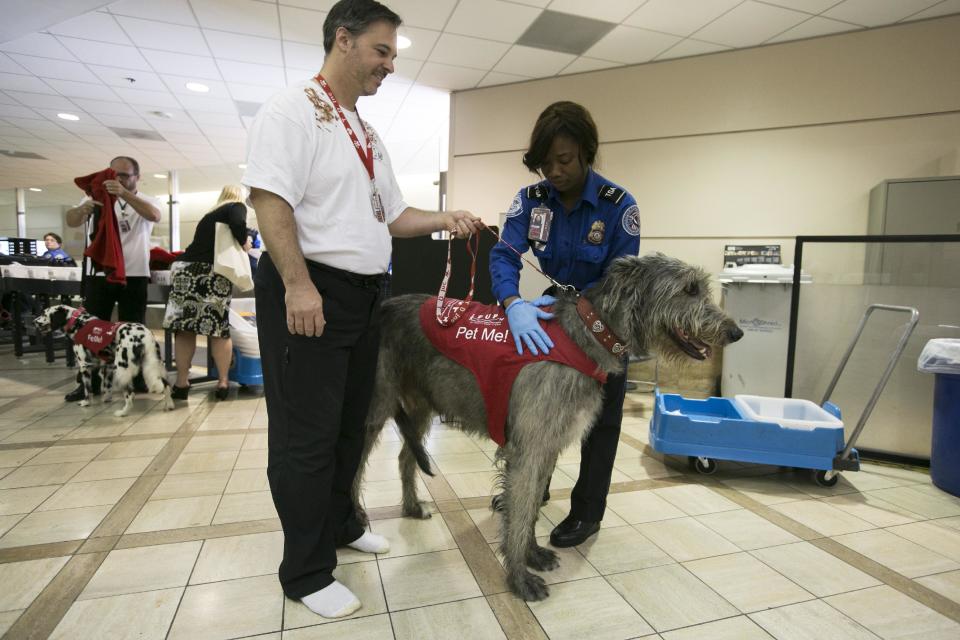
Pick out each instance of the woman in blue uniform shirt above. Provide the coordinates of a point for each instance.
(576, 222)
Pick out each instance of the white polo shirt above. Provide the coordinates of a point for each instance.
(298, 149)
(135, 231)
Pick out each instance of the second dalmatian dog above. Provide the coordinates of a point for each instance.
(123, 350)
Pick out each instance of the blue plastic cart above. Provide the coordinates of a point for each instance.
(720, 429)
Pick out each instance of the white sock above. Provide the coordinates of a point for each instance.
(333, 601)
(370, 542)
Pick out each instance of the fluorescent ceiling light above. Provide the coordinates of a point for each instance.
(403, 42)
(35, 189)
(196, 86)
(242, 166)
(68, 116)
(162, 176)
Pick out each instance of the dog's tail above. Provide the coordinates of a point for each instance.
(411, 437)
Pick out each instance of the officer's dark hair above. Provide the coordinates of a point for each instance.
(54, 236)
(355, 16)
(136, 165)
(562, 118)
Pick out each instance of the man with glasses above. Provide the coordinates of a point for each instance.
(136, 214)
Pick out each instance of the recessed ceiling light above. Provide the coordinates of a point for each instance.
(242, 166)
(166, 115)
(35, 189)
(403, 42)
(68, 116)
(161, 176)
(196, 86)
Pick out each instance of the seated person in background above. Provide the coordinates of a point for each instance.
(199, 300)
(54, 251)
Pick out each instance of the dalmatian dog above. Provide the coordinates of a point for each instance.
(122, 350)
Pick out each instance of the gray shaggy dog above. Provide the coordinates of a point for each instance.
(655, 303)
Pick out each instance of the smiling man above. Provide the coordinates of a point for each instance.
(327, 203)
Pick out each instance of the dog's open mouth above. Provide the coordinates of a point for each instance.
(690, 345)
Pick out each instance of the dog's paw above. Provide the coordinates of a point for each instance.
(120, 413)
(542, 559)
(528, 586)
(420, 511)
(84, 403)
(107, 398)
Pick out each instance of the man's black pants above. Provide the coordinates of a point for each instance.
(317, 390)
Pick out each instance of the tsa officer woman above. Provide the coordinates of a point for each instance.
(576, 222)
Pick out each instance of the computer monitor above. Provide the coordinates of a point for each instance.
(18, 246)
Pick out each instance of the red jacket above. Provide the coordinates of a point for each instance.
(106, 251)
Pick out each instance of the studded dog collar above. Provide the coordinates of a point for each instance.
(598, 328)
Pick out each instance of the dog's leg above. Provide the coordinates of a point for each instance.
(85, 375)
(107, 372)
(524, 481)
(123, 380)
(416, 423)
(371, 432)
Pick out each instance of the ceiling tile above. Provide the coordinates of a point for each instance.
(750, 24)
(294, 76)
(690, 47)
(38, 44)
(405, 70)
(872, 13)
(175, 11)
(232, 46)
(199, 103)
(128, 122)
(251, 93)
(207, 119)
(7, 65)
(809, 6)
(564, 32)
(154, 99)
(421, 42)
(427, 15)
(631, 45)
(149, 34)
(178, 86)
(609, 10)
(464, 51)
(16, 82)
(679, 17)
(527, 61)
(58, 69)
(302, 25)
(813, 27)
(92, 26)
(448, 77)
(583, 63)
(302, 56)
(252, 73)
(115, 77)
(72, 89)
(239, 16)
(9, 110)
(495, 77)
(179, 64)
(491, 19)
(44, 100)
(104, 108)
(105, 53)
(941, 9)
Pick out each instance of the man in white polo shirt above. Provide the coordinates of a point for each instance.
(136, 214)
(327, 203)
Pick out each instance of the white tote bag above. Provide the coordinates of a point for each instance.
(230, 260)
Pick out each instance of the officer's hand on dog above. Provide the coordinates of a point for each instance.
(463, 223)
(304, 310)
(523, 317)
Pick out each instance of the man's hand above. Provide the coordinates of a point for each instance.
(114, 188)
(304, 310)
(463, 223)
(86, 209)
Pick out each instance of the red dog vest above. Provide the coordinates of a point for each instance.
(480, 341)
(95, 335)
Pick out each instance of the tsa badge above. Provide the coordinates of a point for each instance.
(596, 232)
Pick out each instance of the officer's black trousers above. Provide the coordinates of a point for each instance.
(317, 391)
(588, 500)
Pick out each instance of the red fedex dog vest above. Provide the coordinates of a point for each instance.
(95, 335)
(480, 341)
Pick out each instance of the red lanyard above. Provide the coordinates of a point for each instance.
(365, 158)
(448, 312)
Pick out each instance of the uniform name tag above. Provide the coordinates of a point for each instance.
(377, 203)
(124, 225)
(540, 219)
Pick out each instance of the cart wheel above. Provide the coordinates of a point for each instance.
(705, 466)
(821, 479)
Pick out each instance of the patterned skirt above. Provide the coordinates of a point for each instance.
(199, 300)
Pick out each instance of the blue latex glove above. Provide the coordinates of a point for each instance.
(522, 316)
(544, 301)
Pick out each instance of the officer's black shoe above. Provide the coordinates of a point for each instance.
(572, 532)
(497, 504)
(76, 395)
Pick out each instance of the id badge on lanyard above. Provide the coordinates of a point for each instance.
(539, 229)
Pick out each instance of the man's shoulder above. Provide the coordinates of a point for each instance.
(299, 97)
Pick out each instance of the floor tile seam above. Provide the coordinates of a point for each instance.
(183, 593)
(39, 551)
(522, 611)
(213, 531)
(13, 446)
(919, 544)
(483, 556)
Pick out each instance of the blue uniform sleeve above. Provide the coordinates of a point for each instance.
(505, 265)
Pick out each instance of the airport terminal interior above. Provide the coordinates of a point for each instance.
(800, 483)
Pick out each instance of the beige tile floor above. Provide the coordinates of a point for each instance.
(160, 525)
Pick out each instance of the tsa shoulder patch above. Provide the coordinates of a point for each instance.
(537, 192)
(611, 193)
(515, 207)
(631, 220)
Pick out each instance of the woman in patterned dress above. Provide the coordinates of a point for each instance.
(199, 301)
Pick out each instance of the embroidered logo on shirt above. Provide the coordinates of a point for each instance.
(322, 111)
(631, 220)
(374, 140)
(515, 207)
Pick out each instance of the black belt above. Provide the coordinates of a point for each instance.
(374, 281)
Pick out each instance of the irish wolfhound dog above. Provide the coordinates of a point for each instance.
(655, 303)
